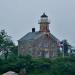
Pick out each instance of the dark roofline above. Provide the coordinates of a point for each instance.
(53, 37)
(44, 15)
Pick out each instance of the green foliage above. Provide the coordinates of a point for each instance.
(41, 66)
(65, 47)
(6, 44)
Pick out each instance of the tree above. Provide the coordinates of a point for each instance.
(6, 44)
(65, 45)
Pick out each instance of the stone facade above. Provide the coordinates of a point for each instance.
(39, 44)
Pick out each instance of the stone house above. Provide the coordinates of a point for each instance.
(39, 43)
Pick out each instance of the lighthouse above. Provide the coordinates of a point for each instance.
(44, 23)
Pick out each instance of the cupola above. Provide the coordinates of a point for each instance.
(44, 23)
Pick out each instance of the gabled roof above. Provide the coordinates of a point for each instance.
(53, 37)
(31, 36)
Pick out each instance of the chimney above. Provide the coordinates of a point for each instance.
(33, 29)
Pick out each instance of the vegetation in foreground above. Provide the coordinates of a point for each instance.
(39, 66)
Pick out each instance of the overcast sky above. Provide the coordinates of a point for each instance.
(18, 17)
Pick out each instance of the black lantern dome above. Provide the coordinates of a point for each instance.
(44, 15)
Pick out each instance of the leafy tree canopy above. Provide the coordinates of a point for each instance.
(6, 44)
